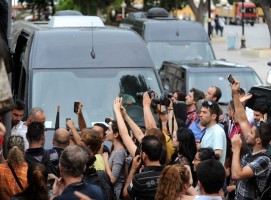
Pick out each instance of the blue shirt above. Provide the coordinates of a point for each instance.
(195, 128)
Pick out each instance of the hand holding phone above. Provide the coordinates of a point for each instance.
(231, 79)
(75, 107)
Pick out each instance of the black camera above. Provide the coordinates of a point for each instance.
(151, 94)
(169, 95)
(107, 120)
(164, 100)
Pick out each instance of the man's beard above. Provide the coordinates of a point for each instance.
(15, 122)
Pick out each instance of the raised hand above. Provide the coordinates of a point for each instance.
(146, 100)
(117, 104)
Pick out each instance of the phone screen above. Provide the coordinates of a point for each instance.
(75, 107)
(231, 79)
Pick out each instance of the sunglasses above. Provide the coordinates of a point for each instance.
(208, 104)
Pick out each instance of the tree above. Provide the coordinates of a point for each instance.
(40, 6)
(265, 5)
(199, 11)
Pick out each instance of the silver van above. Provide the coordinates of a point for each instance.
(168, 38)
(57, 63)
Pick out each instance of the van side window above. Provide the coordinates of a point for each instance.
(164, 79)
(19, 75)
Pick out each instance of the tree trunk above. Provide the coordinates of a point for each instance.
(199, 11)
(99, 12)
(265, 5)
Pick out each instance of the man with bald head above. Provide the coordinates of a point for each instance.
(213, 94)
(61, 140)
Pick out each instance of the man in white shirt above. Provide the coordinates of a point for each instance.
(214, 136)
(36, 114)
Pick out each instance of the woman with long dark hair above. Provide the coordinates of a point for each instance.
(115, 164)
(185, 150)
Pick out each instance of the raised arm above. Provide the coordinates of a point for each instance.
(240, 110)
(127, 140)
(81, 120)
(75, 134)
(148, 116)
(134, 127)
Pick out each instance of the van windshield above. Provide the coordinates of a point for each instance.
(176, 51)
(204, 80)
(95, 88)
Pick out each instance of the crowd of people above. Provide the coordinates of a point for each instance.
(196, 152)
(209, 155)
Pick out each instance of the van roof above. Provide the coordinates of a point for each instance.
(174, 30)
(215, 65)
(75, 21)
(161, 29)
(89, 47)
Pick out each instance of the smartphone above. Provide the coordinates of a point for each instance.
(66, 125)
(75, 107)
(231, 79)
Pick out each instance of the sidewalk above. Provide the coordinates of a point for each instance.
(256, 58)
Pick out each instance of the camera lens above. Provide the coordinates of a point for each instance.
(107, 120)
(139, 95)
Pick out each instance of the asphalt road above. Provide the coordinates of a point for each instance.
(257, 52)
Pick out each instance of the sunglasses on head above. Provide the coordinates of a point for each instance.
(208, 104)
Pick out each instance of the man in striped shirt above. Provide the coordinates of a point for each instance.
(143, 185)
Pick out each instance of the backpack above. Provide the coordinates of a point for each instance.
(266, 193)
(50, 167)
(102, 179)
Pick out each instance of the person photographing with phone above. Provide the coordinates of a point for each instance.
(255, 167)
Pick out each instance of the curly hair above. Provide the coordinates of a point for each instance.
(173, 180)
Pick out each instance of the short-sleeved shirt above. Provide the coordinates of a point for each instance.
(215, 138)
(117, 165)
(90, 190)
(195, 128)
(261, 167)
(144, 184)
(9, 186)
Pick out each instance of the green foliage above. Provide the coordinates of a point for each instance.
(216, 1)
(67, 5)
